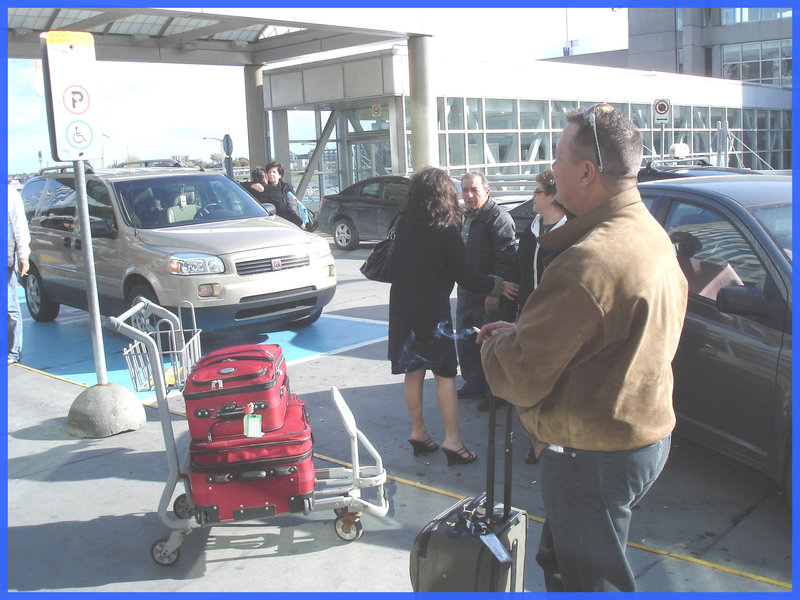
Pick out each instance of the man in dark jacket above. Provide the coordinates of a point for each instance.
(488, 233)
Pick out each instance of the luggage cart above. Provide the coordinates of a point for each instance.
(159, 359)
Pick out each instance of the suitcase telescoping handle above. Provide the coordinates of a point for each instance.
(490, 455)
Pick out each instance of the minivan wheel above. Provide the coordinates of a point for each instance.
(307, 320)
(345, 235)
(42, 309)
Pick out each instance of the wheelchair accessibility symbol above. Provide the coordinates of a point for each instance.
(79, 135)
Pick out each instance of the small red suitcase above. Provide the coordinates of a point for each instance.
(238, 478)
(225, 381)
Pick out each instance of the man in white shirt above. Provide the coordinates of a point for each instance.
(19, 241)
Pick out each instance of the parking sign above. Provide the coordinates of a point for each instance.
(68, 65)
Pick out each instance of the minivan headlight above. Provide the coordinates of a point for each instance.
(192, 263)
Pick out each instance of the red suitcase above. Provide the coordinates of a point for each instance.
(224, 382)
(238, 478)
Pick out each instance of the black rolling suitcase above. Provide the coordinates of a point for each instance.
(469, 549)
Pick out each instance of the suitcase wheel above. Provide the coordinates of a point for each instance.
(158, 554)
(182, 508)
(348, 527)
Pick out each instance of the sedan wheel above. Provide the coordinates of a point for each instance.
(345, 235)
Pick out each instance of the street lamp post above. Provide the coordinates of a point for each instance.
(221, 147)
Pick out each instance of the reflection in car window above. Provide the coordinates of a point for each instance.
(371, 190)
(777, 220)
(59, 208)
(711, 252)
(100, 204)
(396, 193)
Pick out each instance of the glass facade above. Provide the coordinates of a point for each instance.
(767, 62)
(511, 136)
(518, 136)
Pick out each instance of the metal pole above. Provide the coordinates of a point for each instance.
(662, 141)
(91, 281)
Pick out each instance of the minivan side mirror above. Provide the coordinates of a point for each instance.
(741, 300)
(270, 208)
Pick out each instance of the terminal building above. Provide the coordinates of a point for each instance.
(715, 82)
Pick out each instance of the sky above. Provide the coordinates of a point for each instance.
(160, 110)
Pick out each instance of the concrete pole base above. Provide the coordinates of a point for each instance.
(104, 410)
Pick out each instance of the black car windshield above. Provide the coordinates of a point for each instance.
(777, 220)
(181, 200)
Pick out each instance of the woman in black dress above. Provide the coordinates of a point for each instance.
(429, 258)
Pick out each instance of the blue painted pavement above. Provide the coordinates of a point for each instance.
(64, 347)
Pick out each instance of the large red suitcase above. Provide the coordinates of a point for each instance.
(238, 478)
(224, 382)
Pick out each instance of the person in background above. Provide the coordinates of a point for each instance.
(488, 234)
(589, 365)
(268, 187)
(428, 259)
(19, 249)
(528, 262)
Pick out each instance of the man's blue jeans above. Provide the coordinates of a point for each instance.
(14, 318)
(588, 497)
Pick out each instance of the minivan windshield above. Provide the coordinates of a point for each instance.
(181, 200)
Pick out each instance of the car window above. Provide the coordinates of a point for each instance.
(174, 201)
(395, 193)
(31, 194)
(371, 190)
(711, 251)
(100, 209)
(777, 220)
(58, 210)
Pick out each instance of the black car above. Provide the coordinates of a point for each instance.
(363, 211)
(522, 213)
(674, 169)
(733, 368)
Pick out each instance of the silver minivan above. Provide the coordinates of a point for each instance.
(173, 234)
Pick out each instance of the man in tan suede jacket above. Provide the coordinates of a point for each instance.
(589, 363)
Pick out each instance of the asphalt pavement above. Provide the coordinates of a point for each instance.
(709, 524)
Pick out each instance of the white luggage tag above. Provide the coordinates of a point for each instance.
(252, 422)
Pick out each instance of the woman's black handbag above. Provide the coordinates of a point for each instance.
(378, 266)
(313, 222)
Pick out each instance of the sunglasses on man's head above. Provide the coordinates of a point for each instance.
(588, 114)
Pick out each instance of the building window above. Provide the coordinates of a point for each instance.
(748, 15)
(501, 113)
(768, 62)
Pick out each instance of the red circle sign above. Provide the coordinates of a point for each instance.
(662, 107)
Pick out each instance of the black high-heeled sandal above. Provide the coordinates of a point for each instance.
(425, 447)
(459, 457)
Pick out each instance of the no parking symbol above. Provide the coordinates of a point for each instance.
(661, 111)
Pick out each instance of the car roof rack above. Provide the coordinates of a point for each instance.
(152, 162)
(70, 168)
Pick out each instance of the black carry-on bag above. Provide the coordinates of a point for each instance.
(469, 548)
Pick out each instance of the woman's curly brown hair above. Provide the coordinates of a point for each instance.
(432, 200)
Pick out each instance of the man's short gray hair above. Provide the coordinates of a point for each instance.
(620, 142)
(471, 174)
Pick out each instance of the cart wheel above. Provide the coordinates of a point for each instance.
(157, 552)
(348, 532)
(182, 508)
